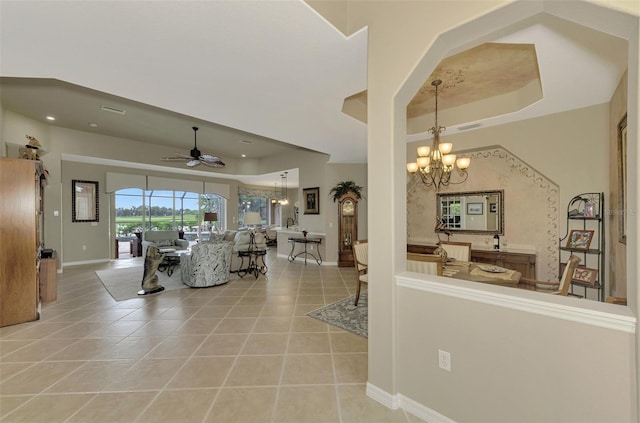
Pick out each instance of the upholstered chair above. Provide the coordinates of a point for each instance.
(460, 251)
(361, 263)
(208, 264)
(424, 263)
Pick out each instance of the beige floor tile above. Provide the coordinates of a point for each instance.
(243, 405)
(310, 299)
(197, 327)
(272, 325)
(307, 369)
(145, 313)
(308, 324)
(177, 346)
(179, 406)
(351, 368)
(235, 325)
(210, 311)
(93, 376)
(303, 309)
(118, 407)
(85, 349)
(37, 351)
(272, 343)
(246, 311)
(8, 370)
(222, 344)
(307, 404)
(39, 331)
(348, 342)
(8, 404)
(158, 328)
(38, 377)
(49, 408)
(131, 347)
(78, 330)
(224, 299)
(304, 343)
(10, 346)
(256, 371)
(180, 312)
(202, 372)
(152, 374)
(119, 328)
(278, 310)
(355, 406)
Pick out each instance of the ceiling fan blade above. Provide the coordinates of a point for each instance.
(211, 160)
(176, 159)
(192, 163)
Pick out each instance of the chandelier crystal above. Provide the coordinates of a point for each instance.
(435, 164)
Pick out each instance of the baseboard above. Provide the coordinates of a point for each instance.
(407, 404)
(80, 263)
(422, 411)
(382, 396)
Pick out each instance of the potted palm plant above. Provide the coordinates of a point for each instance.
(344, 187)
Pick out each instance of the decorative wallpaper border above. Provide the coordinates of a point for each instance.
(516, 165)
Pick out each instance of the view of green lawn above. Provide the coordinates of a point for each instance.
(126, 225)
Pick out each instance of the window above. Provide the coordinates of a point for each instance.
(451, 211)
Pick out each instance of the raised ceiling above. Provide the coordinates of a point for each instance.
(275, 71)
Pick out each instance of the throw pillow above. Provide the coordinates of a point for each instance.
(164, 243)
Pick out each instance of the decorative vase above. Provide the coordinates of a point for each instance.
(439, 251)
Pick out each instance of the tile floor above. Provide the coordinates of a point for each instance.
(241, 352)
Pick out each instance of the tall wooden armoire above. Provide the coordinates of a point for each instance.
(21, 185)
(348, 228)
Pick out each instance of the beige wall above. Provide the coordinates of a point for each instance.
(403, 51)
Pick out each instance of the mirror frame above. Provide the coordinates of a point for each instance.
(91, 199)
(499, 193)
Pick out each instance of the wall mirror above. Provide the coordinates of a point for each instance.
(84, 201)
(477, 212)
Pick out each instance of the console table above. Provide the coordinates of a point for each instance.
(305, 241)
(525, 263)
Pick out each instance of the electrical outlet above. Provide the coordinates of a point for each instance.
(444, 360)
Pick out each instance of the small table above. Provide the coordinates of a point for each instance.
(256, 265)
(170, 259)
(306, 241)
(474, 272)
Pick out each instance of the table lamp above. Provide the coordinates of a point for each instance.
(211, 217)
(252, 218)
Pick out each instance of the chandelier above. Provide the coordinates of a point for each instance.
(284, 200)
(435, 164)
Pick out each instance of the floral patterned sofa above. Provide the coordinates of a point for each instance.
(208, 264)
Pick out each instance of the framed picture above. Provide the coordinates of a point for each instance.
(579, 239)
(622, 180)
(311, 198)
(474, 208)
(585, 275)
(84, 201)
(493, 208)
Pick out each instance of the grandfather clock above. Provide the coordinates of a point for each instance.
(348, 228)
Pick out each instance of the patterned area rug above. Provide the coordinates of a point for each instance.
(124, 283)
(345, 315)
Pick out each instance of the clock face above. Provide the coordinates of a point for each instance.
(348, 208)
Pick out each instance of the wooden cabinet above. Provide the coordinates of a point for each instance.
(48, 279)
(522, 262)
(21, 215)
(348, 228)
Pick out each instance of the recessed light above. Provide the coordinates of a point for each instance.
(93, 125)
(112, 109)
(243, 155)
(50, 118)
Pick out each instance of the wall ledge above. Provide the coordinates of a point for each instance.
(588, 312)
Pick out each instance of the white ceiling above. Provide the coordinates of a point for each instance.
(275, 70)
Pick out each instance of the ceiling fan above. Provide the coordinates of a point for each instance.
(195, 157)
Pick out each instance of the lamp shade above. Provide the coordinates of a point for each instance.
(211, 217)
(252, 218)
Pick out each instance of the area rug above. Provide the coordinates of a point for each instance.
(124, 283)
(345, 315)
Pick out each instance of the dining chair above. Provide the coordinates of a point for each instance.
(361, 262)
(430, 264)
(560, 287)
(457, 250)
